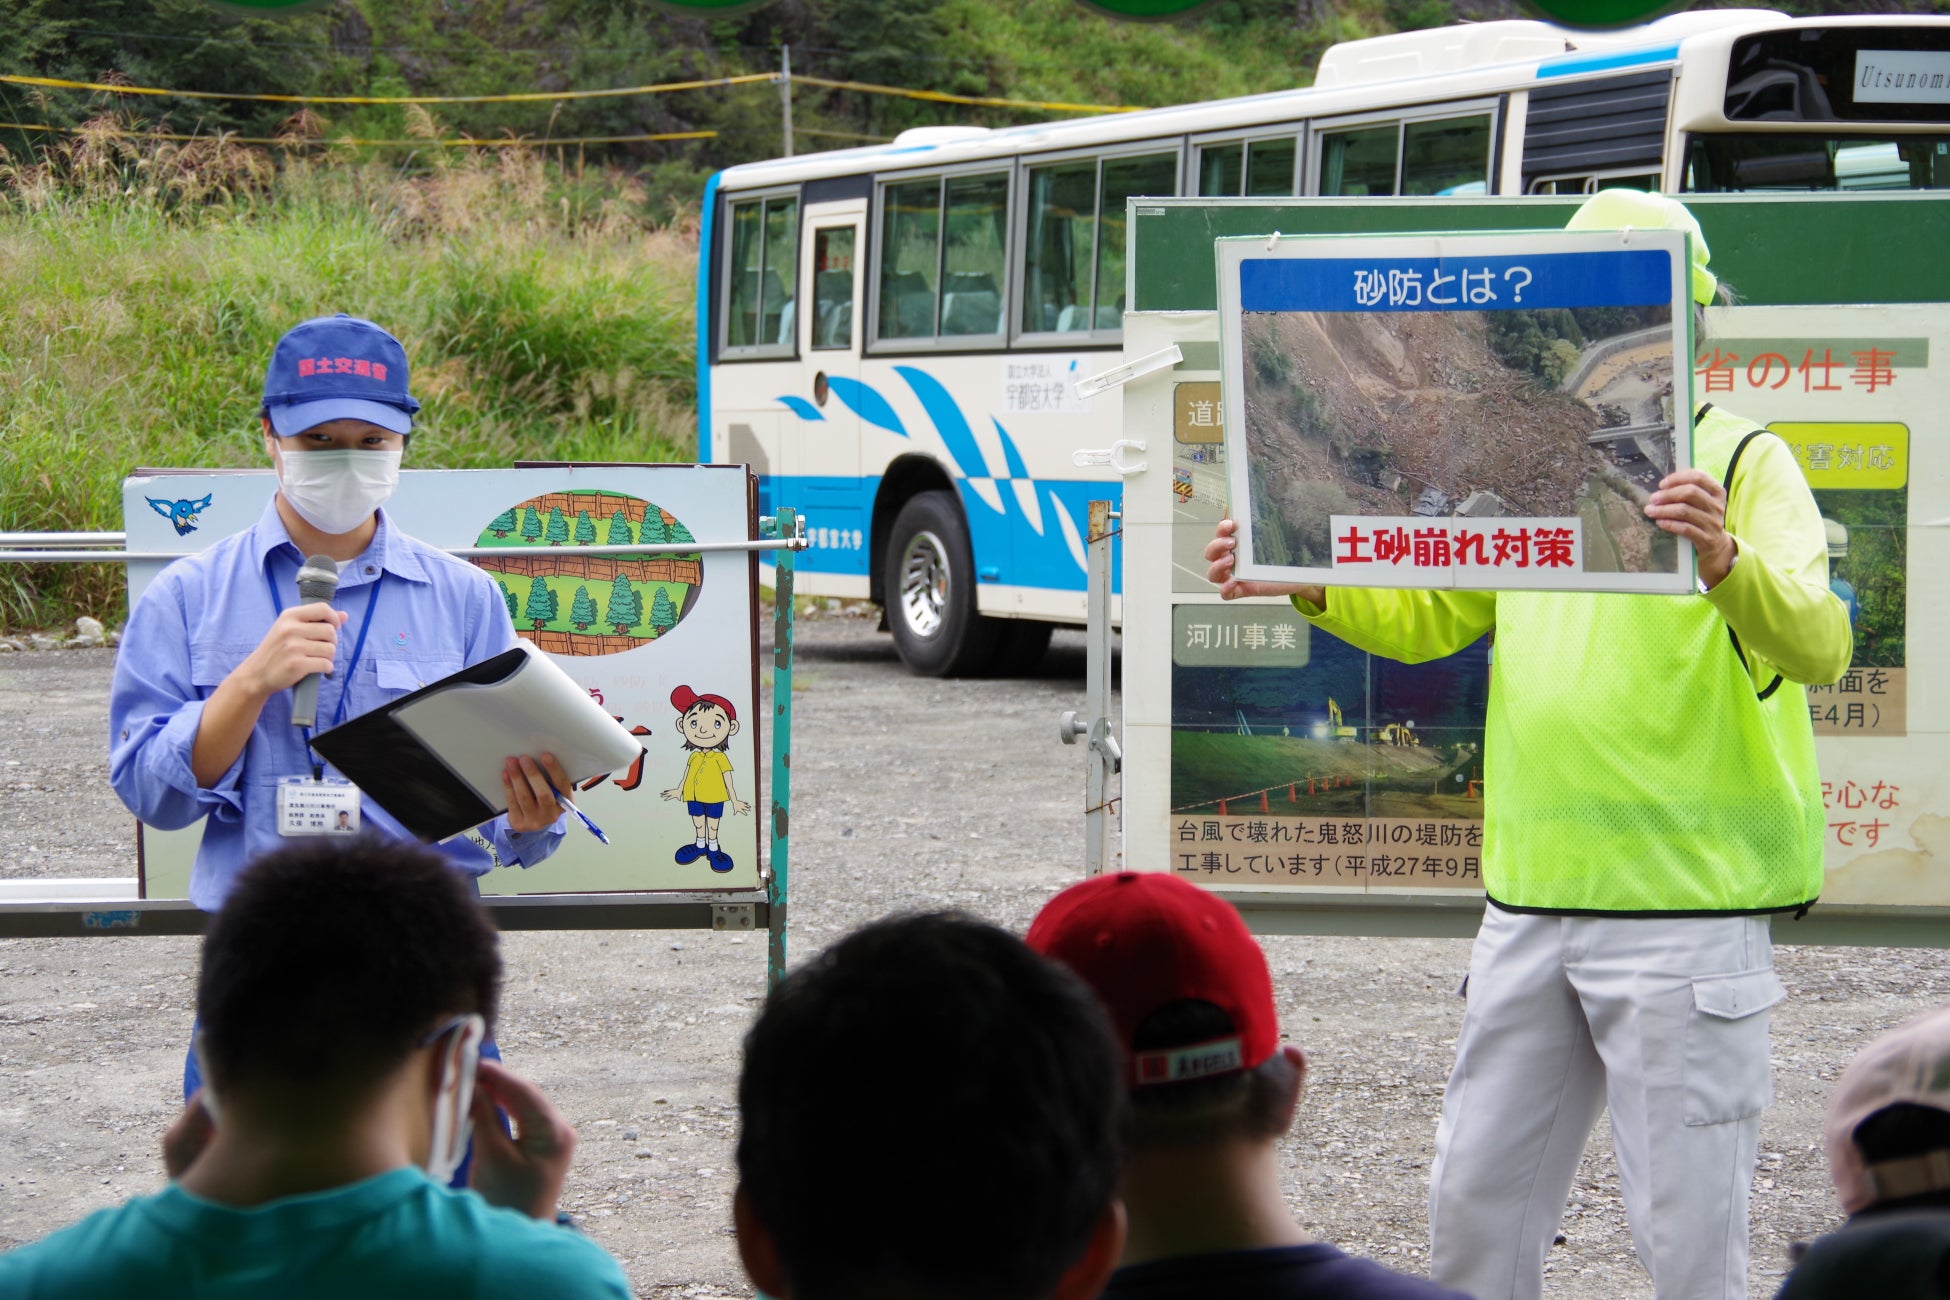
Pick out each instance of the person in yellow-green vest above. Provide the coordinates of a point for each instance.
(1651, 803)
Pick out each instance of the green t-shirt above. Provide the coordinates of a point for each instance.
(398, 1236)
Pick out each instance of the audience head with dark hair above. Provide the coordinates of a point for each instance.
(331, 962)
(930, 1111)
(346, 988)
(1213, 1092)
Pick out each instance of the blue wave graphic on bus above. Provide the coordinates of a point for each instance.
(1036, 554)
(866, 403)
(800, 407)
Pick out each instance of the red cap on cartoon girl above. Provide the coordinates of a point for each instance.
(684, 697)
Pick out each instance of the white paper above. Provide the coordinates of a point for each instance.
(536, 709)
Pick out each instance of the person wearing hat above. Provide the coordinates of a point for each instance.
(1213, 1092)
(1888, 1144)
(200, 710)
(1651, 801)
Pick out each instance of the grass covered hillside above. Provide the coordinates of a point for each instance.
(135, 326)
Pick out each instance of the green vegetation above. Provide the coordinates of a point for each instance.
(1877, 566)
(1546, 343)
(134, 328)
(1036, 50)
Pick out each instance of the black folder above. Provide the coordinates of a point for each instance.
(393, 769)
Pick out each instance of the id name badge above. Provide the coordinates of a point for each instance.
(326, 807)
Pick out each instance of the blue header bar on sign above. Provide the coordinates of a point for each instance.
(1628, 277)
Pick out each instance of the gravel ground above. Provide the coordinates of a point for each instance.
(909, 793)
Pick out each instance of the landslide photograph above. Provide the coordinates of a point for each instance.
(1536, 414)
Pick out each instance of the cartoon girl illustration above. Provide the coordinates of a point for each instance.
(707, 723)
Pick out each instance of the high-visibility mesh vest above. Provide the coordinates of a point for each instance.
(1634, 765)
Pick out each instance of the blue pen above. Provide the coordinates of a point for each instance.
(566, 802)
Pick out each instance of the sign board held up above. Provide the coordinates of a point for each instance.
(1486, 412)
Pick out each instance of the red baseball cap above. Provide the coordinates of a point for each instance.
(684, 697)
(1146, 940)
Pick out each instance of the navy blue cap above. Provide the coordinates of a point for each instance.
(337, 368)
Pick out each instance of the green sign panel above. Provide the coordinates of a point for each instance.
(1601, 13)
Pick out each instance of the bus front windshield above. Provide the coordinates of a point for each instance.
(1737, 162)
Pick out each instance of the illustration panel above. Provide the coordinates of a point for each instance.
(665, 643)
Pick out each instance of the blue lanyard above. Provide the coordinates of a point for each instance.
(358, 648)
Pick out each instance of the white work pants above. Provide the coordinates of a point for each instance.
(1665, 1022)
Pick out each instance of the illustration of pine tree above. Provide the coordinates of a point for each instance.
(585, 529)
(531, 525)
(619, 530)
(504, 523)
(514, 609)
(653, 528)
(558, 528)
(582, 610)
(543, 604)
(678, 533)
(663, 614)
(625, 608)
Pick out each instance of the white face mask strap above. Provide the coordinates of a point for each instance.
(453, 1124)
(207, 1094)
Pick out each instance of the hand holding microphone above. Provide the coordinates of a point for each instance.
(301, 643)
(318, 579)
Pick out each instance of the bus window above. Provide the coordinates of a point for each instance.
(1798, 160)
(1220, 167)
(1062, 245)
(781, 271)
(974, 255)
(1592, 182)
(910, 238)
(833, 287)
(764, 268)
(1269, 167)
(1359, 163)
(1448, 156)
(747, 270)
(1124, 178)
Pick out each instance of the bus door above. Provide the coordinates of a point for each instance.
(822, 455)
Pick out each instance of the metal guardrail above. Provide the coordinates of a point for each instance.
(30, 555)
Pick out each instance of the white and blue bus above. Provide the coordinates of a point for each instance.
(890, 335)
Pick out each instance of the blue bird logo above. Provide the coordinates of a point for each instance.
(181, 514)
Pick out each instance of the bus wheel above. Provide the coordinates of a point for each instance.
(930, 577)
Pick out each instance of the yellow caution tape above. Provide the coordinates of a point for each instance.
(547, 96)
(525, 97)
(842, 135)
(456, 142)
(943, 97)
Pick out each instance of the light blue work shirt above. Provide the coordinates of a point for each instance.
(205, 613)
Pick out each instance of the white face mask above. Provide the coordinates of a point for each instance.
(453, 1122)
(336, 491)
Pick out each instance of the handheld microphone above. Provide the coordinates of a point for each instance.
(317, 581)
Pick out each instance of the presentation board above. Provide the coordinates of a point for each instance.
(1472, 412)
(1275, 762)
(641, 633)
